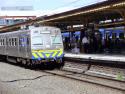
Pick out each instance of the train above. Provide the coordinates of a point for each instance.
(104, 40)
(32, 46)
(112, 33)
(116, 32)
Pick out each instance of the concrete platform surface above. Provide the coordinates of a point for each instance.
(17, 80)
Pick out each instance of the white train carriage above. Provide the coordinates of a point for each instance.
(32, 46)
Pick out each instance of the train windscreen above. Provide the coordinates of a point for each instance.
(37, 40)
(46, 38)
(56, 39)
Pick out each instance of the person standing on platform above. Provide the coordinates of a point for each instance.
(73, 41)
(85, 43)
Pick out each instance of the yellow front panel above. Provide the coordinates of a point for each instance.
(46, 53)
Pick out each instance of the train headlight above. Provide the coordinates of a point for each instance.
(47, 46)
(56, 46)
(59, 46)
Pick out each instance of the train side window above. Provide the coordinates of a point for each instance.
(3, 42)
(121, 35)
(0, 42)
(9, 41)
(19, 41)
(12, 42)
(22, 41)
(27, 41)
(107, 35)
(15, 41)
(114, 35)
(6, 42)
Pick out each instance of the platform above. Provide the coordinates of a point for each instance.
(96, 57)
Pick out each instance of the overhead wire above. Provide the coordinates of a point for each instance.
(68, 4)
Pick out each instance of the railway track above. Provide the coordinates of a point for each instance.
(106, 70)
(79, 73)
(100, 81)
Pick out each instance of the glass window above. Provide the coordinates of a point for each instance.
(0, 42)
(27, 41)
(15, 41)
(3, 42)
(114, 35)
(23, 41)
(44, 32)
(37, 40)
(20, 41)
(121, 35)
(56, 40)
(12, 41)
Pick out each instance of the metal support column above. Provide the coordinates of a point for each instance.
(71, 36)
(122, 12)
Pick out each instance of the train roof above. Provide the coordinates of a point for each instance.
(33, 27)
(29, 29)
(14, 32)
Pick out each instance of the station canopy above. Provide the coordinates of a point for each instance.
(109, 9)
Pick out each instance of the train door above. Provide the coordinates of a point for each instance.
(114, 38)
(107, 41)
(121, 40)
(23, 46)
(2, 45)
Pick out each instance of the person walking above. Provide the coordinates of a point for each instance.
(85, 43)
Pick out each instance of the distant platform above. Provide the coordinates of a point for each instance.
(96, 57)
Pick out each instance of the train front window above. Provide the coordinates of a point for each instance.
(56, 39)
(37, 40)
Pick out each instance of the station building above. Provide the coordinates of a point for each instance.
(16, 14)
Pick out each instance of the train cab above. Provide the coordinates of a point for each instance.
(46, 44)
